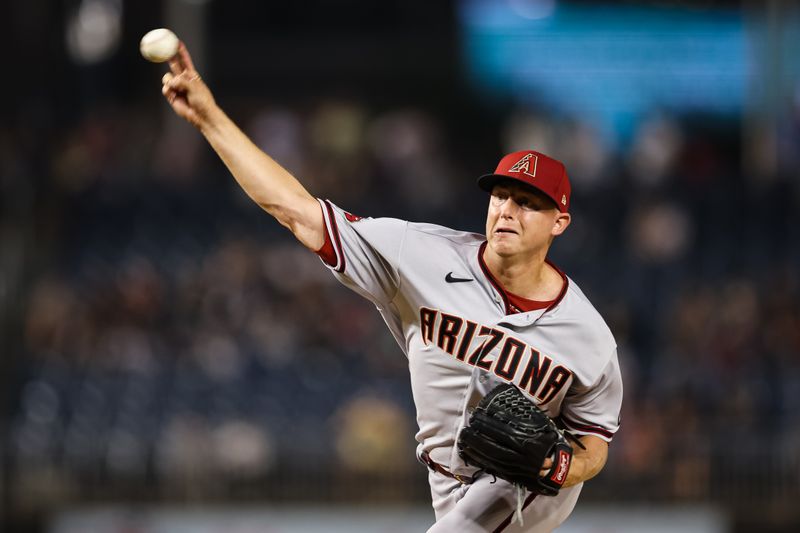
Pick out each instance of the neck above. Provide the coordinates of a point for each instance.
(530, 276)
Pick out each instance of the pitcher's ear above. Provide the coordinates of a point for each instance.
(561, 223)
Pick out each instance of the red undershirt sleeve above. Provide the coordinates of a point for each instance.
(327, 253)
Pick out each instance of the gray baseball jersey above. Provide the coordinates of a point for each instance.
(462, 337)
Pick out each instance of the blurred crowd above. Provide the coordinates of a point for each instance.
(173, 336)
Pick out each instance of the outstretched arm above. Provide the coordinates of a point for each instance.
(265, 181)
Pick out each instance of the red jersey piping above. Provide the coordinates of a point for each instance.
(509, 309)
(331, 230)
(586, 428)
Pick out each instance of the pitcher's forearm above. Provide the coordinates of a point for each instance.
(588, 462)
(265, 181)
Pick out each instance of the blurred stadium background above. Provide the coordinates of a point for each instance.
(172, 361)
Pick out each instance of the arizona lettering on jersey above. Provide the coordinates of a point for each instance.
(495, 350)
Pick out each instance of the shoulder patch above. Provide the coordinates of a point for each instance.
(351, 217)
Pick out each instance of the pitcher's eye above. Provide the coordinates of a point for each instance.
(499, 197)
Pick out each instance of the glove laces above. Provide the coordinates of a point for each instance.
(520, 504)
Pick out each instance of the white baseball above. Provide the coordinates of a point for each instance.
(159, 45)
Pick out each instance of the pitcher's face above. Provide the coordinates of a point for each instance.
(522, 220)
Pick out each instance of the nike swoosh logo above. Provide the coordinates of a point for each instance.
(450, 279)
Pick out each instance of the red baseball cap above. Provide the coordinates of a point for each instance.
(536, 170)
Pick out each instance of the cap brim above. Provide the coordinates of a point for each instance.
(488, 181)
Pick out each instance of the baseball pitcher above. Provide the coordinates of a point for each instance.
(514, 373)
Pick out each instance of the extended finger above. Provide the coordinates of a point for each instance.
(181, 61)
(177, 62)
(175, 65)
(167, 78)
(185, 57)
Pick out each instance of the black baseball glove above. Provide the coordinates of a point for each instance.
(510, 437)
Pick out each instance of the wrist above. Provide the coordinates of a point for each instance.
(576, 472)
(212, 121)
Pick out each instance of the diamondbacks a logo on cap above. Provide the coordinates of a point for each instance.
(524, 165)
